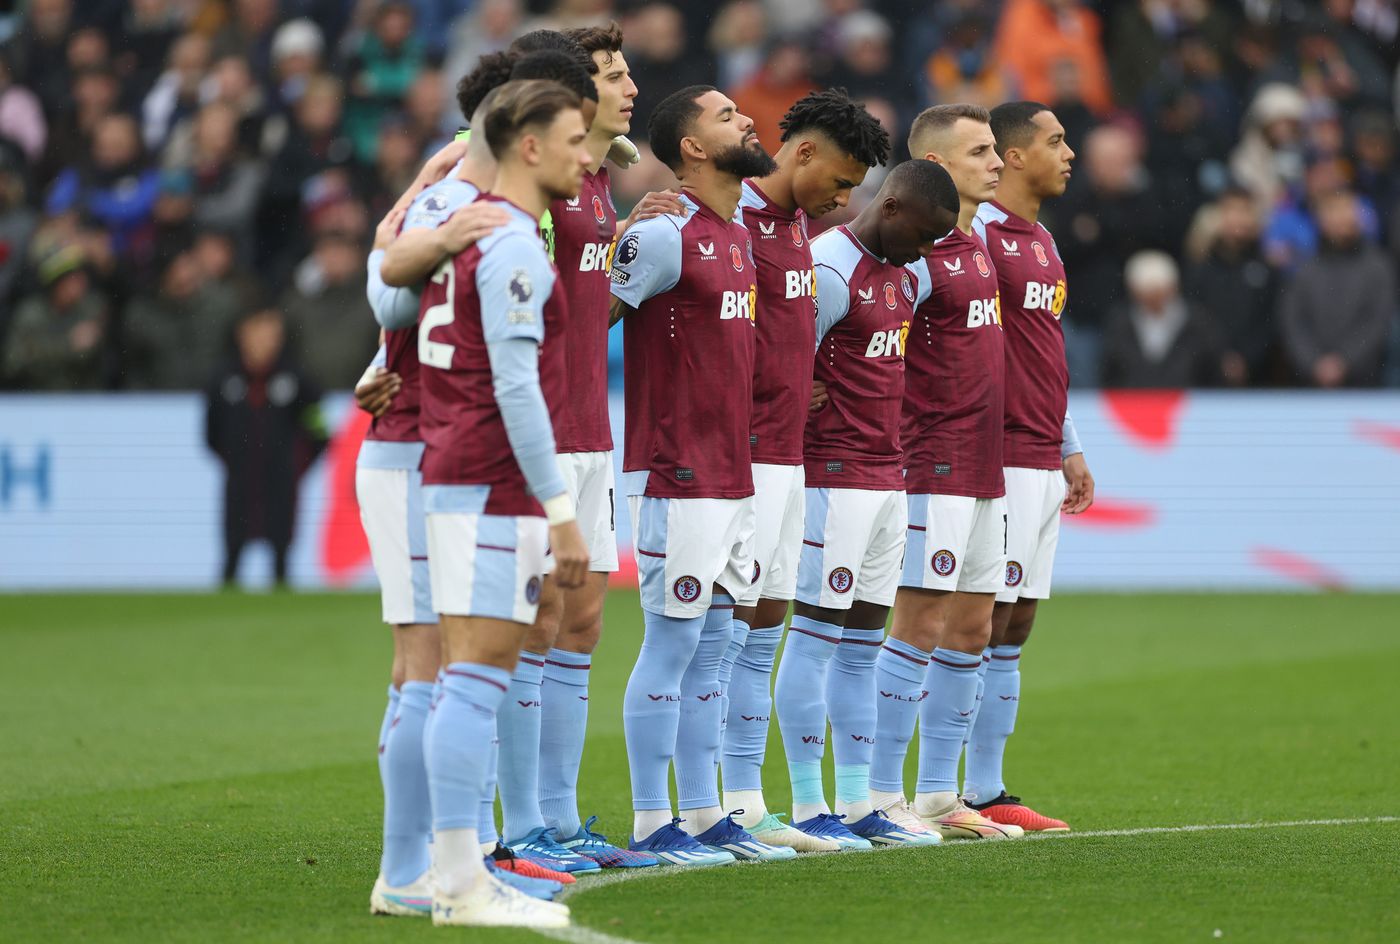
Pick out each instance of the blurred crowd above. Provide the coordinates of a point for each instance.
(171, 168)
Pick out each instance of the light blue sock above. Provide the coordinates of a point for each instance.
(563, 727)
(850, 703)
(459, 742)
(799, 695)
(698, 734)
(390, 710)
(806, 783)
(486, 826)
(899, 686)
(981, 684)
(518, 726)
(943, 717)
(738, 638)
(407, 816)
(750, 707)
(994, 724)
(651, 706)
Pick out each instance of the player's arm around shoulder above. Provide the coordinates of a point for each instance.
(647, 262)
(833, 297)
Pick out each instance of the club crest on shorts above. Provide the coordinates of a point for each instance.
(686, 589)
(598, 213)
(1040, 255)
(841, 579)
(796, 230)
(981, 261)
(891, 302)
(944, 562)
(736, 258)
(532, 591)
(1014, 573)
(906, 285)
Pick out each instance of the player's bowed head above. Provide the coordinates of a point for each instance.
(917, 205)
(829, 142)
(536, 132)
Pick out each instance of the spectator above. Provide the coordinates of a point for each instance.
(737, 39)
(43, 47)
(657, 54)
(489, 27)
(148, 28)
(248, 34)
(263, 422)
(56, 341)
(962, 68)
(866, 65)
(21, 114)
(1269, 158)
(96, 93)
(226, 185)
(1141, 31)
(1236, 289)
(1291, 235)
(114, 188)
(1337, 312)
(1158, 340)
(17, 223)
(171, 341)
(231, 83)
(175, 94)
(1377, 174)
(328, 319)
(296, 57)
(784, 78)
(423, 108)
(381, 71)
(1037, 36)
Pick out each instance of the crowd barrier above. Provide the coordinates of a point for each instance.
(1196, 490)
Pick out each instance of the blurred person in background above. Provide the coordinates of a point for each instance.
(263, 422)
(1375, 169)
(1036, 36)
(1236, 289)
(737, 39)
(231, 83)
(147, 30)
(21, 113)
(1111, 213)
(296, 52)
(1269, 156)
(422, 113)
(866, 65)
(17, 223)
(1292, 233)
(961, 68)
(328, 319)
(248, 33)
(1338, 311)
(176, 93)
(1157, 340)
(1333, 61)
(489, 26)
(225, 184)
(1141, 35)
(57, 339)
(657, 54)
(42, 48)
(380, 72)
(114, 187)
(784, 77)
(95, 93)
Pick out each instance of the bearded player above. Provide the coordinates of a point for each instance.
(853, 539)
(685, 288)
(1045, 469)
(954, 559)
(828, 144)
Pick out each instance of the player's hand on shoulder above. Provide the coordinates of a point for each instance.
(375, 394)
(441, 163)
(388, 227)
(1080, 492)
(570, 554)
(819, 396)
(654, 204)
(470, 224)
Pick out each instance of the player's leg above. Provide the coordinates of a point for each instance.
(746, 676)
(674, 551)
(486, 574)
(1033, 531)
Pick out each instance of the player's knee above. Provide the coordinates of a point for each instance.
(422, 652)
(819, 613)
(866, 615)
(1018, 630)
(769, 613)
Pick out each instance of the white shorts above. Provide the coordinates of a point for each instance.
(779, 505)
(1033, 498)
(589, 478)
(852, 547)
(956, 543)
(487, 565)
(391, 512)
(686, 545)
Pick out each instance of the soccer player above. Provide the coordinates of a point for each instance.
(853, 537)
(828, 144)
(1045, 469)
(492, 491)
(954, 560)
(685, 288)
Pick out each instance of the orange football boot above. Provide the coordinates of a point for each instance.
(1010, 811)
(505, 859)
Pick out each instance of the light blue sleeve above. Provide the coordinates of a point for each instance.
(381, 357)
(833, 298)
(513, 280)
(431, 208)
(647, 261)
(515, 379)
(923, 281)
(1069, 440)
(394, 308)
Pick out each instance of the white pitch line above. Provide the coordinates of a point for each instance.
(577, 934)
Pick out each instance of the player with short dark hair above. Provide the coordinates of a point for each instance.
(954, 559)
(686, 287)
(492, 491)
(853, 538)
(1045, 469)
(829, 142)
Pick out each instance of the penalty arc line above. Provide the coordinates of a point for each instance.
(578, 934)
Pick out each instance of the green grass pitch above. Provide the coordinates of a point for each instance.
(201, 768)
